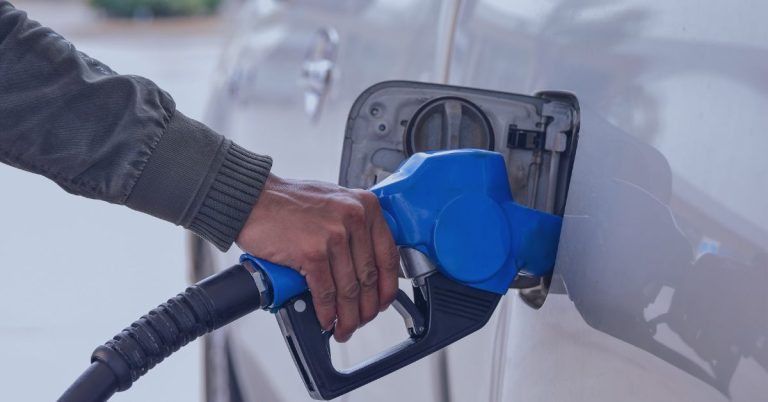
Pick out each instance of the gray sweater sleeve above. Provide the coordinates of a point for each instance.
(117, 138)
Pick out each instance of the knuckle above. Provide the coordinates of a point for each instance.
(369, 277)
(316, 254)
(350, 292)
(368, 198)
(354, 213)
(337, 236)
(327, 297)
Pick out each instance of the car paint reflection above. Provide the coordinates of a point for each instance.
(622, 245)
(642, 260)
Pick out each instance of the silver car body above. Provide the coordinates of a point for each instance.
(663, 260)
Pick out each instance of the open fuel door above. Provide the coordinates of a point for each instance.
(537, 135)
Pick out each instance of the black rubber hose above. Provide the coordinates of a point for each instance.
(210, 304)
(96, 384)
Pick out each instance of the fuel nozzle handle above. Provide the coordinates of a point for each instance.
(455, 209)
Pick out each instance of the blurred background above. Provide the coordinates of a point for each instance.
(663, 252)
(70, 266)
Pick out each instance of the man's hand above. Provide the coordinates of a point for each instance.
(337, 238)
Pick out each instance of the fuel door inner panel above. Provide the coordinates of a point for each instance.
(537, 135)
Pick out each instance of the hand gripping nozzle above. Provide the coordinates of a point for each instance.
(463, 241)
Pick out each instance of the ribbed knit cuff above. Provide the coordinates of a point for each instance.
(231, 196)
(198, 179)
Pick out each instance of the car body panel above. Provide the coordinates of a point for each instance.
(659, 290)
(663, 250)
(261, 101)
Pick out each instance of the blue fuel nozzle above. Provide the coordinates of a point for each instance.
(455, 207)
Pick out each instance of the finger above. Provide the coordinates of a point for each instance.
(348, 289)
(387, 261)
(365, 268)
(323, 290)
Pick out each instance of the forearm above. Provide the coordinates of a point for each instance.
(116, 137)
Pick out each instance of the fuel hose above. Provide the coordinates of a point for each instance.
(201, 308)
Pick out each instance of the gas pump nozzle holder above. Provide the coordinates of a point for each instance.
(463, 240)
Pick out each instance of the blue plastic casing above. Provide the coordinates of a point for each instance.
(286, 282)
(456, 208)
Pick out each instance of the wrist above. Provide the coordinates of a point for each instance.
(234, 191)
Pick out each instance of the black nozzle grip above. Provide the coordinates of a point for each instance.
(449, 310)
